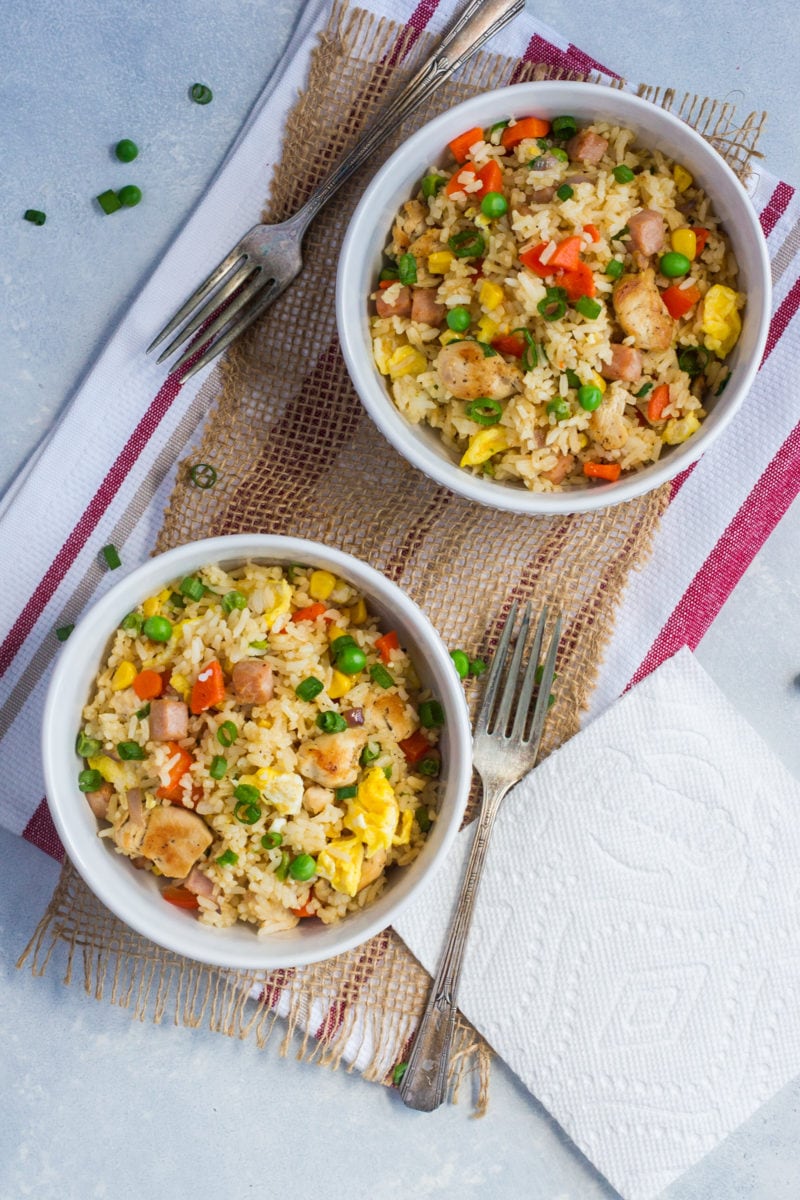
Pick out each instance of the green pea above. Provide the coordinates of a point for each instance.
(90, 781)
(673, 265)
(560, 408)
(126, 150)
(303, 867)
(350, 660)
(623, 174)
(158, 629)
(130, 195)
(589, 397)
(458, 319)
(460, 662)
(494, 205)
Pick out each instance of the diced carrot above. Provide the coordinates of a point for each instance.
(173, 790)
(208, 689)
(701, 237)
(386, 283)
(579, 282)
(567, 255)
(455, 184)
(304, 911)
(148, 685)
(507, 343)
(658, 401)
(491, 177)
(415, 747)
(310, 613)
(459, 147)
(597, 470)
(180, 897)
(532, 259)
(385, 644)
(526, 127)
(593, 232)
(679, 301)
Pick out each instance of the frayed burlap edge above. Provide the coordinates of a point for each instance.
(368, 1000)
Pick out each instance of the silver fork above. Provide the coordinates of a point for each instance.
(266, 260)
(505, 746)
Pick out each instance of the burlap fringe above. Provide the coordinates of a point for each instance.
(346, 1008)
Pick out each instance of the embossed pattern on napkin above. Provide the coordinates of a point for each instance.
(636, 952)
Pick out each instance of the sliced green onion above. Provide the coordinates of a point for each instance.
(477, 666)
(282, 869)
(554, 306)
(126, 150)
(460, 662)
(621, 233)
(177, 600)
(429, 767)
(35, 216)
(380, 675)
(227, 734)
(246, 812)
(192, 587)
(497, 127)
(723, 385)
(543, 144)
(564, 127)
(371, 751)
(131, 751)
(130, 195)
(245, 793)
(388, 275)
(272, 839)
(387, 771)
(565, 192)
(488, 351)
(158, 629)
(228, 858)
(63, 632)
(467, 244)
(233, 600)
(132, 623)
(219, 766)
(615, 268)
(111, 555)
(345, 793)
(423, 818)
(431, 184)
(203, 475)
(87, 746)
(529, 358)
(200, 93)
(260, 646)
(431, 714)
(560, 408)
(484, 411)
(643, 390)
(309, 688)
(588, 308)
(331, 722)
(109, 201)
(90, 781)
(573, 379)
(623, 174)
(142, 712)
(407, 268)
(303, 867)
(693, 360)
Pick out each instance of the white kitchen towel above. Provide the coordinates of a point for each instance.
(635, 954)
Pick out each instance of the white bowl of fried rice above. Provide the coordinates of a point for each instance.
(553, 297)
(256, 750)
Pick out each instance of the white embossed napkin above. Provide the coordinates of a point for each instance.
(635, 956)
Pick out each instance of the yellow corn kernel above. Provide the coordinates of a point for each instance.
(335, 632)
(583, 441)
(487, 329)
(251, 781)
(483, 221)
(340, 685)
(679, 429)
(118, 773)
(150, 606)
(358, 612)
(439, 262)
(321, 584)
(721, 321)
(264, 723)
(383, 349)
(449, 336)
(598, 381)
(123, 677)
(180, 683)
(187, 623)
(684, 241)
(406, 361)
(483, 445)
(490, 295)
(683, 179)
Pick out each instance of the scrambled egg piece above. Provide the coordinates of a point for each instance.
(282, 789)
(119, 774)
(340, 863)
(280, 593)
(721, 321)
(484, 445)
(402, 835)
(374, 812)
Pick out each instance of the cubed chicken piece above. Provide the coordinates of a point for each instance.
(410, 225)
(625, 364)
(99, 800)
(641, 311)
(252, 681)
(174, 840)
(398, 306)
(647, 230)
(169, 720)
(607, 422)
(429, 243)
(332, 758)
(391, 713)
(558, 473)
(316, 799)
(468, 373)
(587, 147)
(426, 308)
(371, 869)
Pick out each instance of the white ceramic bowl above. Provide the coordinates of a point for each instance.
(398, 179)
(134, 895)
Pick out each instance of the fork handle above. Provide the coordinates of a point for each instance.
(424, 1084)
(481, 20)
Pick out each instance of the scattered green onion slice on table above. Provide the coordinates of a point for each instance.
(158, 629)
(203, 475)
(126, 150)
(477, 666)
(111, 556)
(131, 751)
(200, 93)
(431, 714)
(228, 858)
(458, 319)
(227, 733)
(460, 662)
(589, 397)
(623, 174)
(381, 676)
(484, 411)
(63, 632)
(109, 201)
(467, 244)
(407, 269)
(35, 216)
(588, 308)
(693, 360)
(309, 688)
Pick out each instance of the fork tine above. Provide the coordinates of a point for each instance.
(528, 681)
(495, 670)
(250, 287)
(258, 302)
(241, 276)
(548, 674)
(199, 294)
(500, 722)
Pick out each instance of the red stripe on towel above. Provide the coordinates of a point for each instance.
(776, 207)
(41, 832)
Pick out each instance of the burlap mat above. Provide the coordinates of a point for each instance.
(296, 454)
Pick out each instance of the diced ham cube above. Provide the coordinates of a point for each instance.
(169, 720)
(252, 681)
(587, 147)
(425, 307)
(647, 231)
(399, 307)
(625, 364)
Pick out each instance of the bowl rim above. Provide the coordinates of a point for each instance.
(360, 239)
(208, 943)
